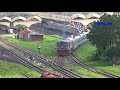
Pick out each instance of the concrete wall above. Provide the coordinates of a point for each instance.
(28, 24)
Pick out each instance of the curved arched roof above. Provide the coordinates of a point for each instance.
(33, 17)
(78, 15)
(108, 13)
(90, 15)
(19, 18)
(5, 18)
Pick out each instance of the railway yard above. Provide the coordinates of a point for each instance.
(60, 54)
(57, 65)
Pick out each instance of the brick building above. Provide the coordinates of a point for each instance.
(28, 35)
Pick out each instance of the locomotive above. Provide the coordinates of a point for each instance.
(50, 75)
(68, 45)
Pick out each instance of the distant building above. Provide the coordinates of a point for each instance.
(34, 36)
(28, 35)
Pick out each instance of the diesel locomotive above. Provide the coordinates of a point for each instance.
(67, 46)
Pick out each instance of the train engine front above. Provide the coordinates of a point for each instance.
(64, 47)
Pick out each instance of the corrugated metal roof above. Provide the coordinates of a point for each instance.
(24, 32)
(34, 33)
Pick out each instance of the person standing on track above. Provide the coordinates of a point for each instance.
(32, 58)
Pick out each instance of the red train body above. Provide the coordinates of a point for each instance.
(62, 53)
(50, 75)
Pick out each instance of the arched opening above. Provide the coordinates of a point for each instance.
(5, 19)
(37, 27)
(78, 18)
(18, 19)
(4, 29)
(18, 28)
(93, 18)
(108, 13)
(34, 18)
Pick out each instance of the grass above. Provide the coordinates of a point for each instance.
(87, 50)
(13, 70)
(53, 71)
(46, 45)
(84, 53)
(84, 72)
(113, 70)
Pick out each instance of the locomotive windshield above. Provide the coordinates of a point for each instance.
(62, 45)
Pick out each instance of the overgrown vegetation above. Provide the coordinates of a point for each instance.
(106, 39)
(86, 52)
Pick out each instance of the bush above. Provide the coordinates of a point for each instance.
(95, 57)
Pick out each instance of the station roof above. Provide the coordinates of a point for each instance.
(27, 14)
(37, 15)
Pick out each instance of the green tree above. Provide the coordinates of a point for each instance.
(22, 27)
(106, 38)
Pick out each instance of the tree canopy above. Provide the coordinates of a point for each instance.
(106, 38)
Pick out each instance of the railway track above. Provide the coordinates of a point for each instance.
(24, 75)
(55, 64)
(45, 61)
(17, 59)
(8, 59)
(78, 62)
(59, 61)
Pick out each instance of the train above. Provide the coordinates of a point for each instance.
(50, 75)
(68, 45)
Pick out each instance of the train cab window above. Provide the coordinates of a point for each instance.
(62, 45)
